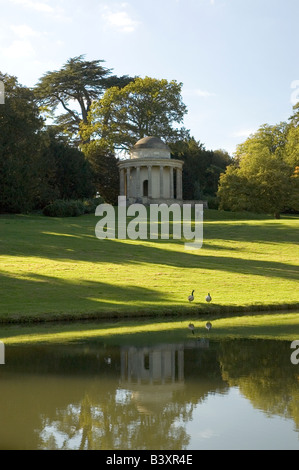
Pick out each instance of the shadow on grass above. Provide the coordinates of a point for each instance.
(48, 297)
(115, 252)
(271, 232)
(74, 240)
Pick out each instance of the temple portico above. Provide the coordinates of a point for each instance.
(150, 174)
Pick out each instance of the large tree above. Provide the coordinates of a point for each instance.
(292, 144)
(145, 107)
(20, 144)
(73, 89)
(260, 179)
(64, 171)
(105, 171)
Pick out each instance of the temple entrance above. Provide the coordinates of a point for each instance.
(145, 188)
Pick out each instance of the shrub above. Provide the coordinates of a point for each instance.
(212, 201)
(71, 208)
(64, 208)
(91, 204)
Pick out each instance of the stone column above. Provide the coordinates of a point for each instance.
(181, 365)
(173, 366)
(161, 182)
(122, 182)
(162, 359)
(179, 186)
(149, 171)
(171, 183)
(128, 182)
(138, 181)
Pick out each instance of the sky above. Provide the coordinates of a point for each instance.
(237, 60)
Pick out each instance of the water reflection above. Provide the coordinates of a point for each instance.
(93, 396)
(152, 375)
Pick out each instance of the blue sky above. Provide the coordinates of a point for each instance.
(238, 60)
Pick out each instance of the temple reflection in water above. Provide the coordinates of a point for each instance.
(153, 365)
(92, 395)
(153, 373)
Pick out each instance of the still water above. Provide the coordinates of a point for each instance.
(199, 394)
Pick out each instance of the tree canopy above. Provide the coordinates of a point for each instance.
(19, 146)
(36, 165)
(73, 88)
(105, 172)
(145, 107)
(64, 170)
(101, 113)
(292, 146)
(261, 178)
(201, 169)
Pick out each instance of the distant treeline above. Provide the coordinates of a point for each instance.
(60, 141)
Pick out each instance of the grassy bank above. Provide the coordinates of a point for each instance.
(56, 269)
(280, 326)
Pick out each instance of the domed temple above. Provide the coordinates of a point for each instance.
(150, 175)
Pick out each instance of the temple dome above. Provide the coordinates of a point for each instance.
(150, 147)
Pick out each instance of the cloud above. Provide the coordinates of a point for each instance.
(19, 49)
(244, 133)
(204, 93)
(56, 12)
(35, 5)
(24, 31)
(199, 92)
(120, 19)
(212, 2)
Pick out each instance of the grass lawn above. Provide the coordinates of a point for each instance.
(56, 269)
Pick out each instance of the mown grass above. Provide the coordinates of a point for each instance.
(56, 269)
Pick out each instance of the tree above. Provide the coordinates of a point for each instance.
(20, 144)
(260, 179)
(201, 169)
(105, 170)
(144, 107)
(271, 139)
(292, 158)
(74, 87)
(295, 117)
(65, 173)
(292, 144)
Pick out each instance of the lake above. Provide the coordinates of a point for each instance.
(197, 394)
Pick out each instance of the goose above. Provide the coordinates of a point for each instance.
(208, 325)
(208, 298)
(191, 297)
(191, 327)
